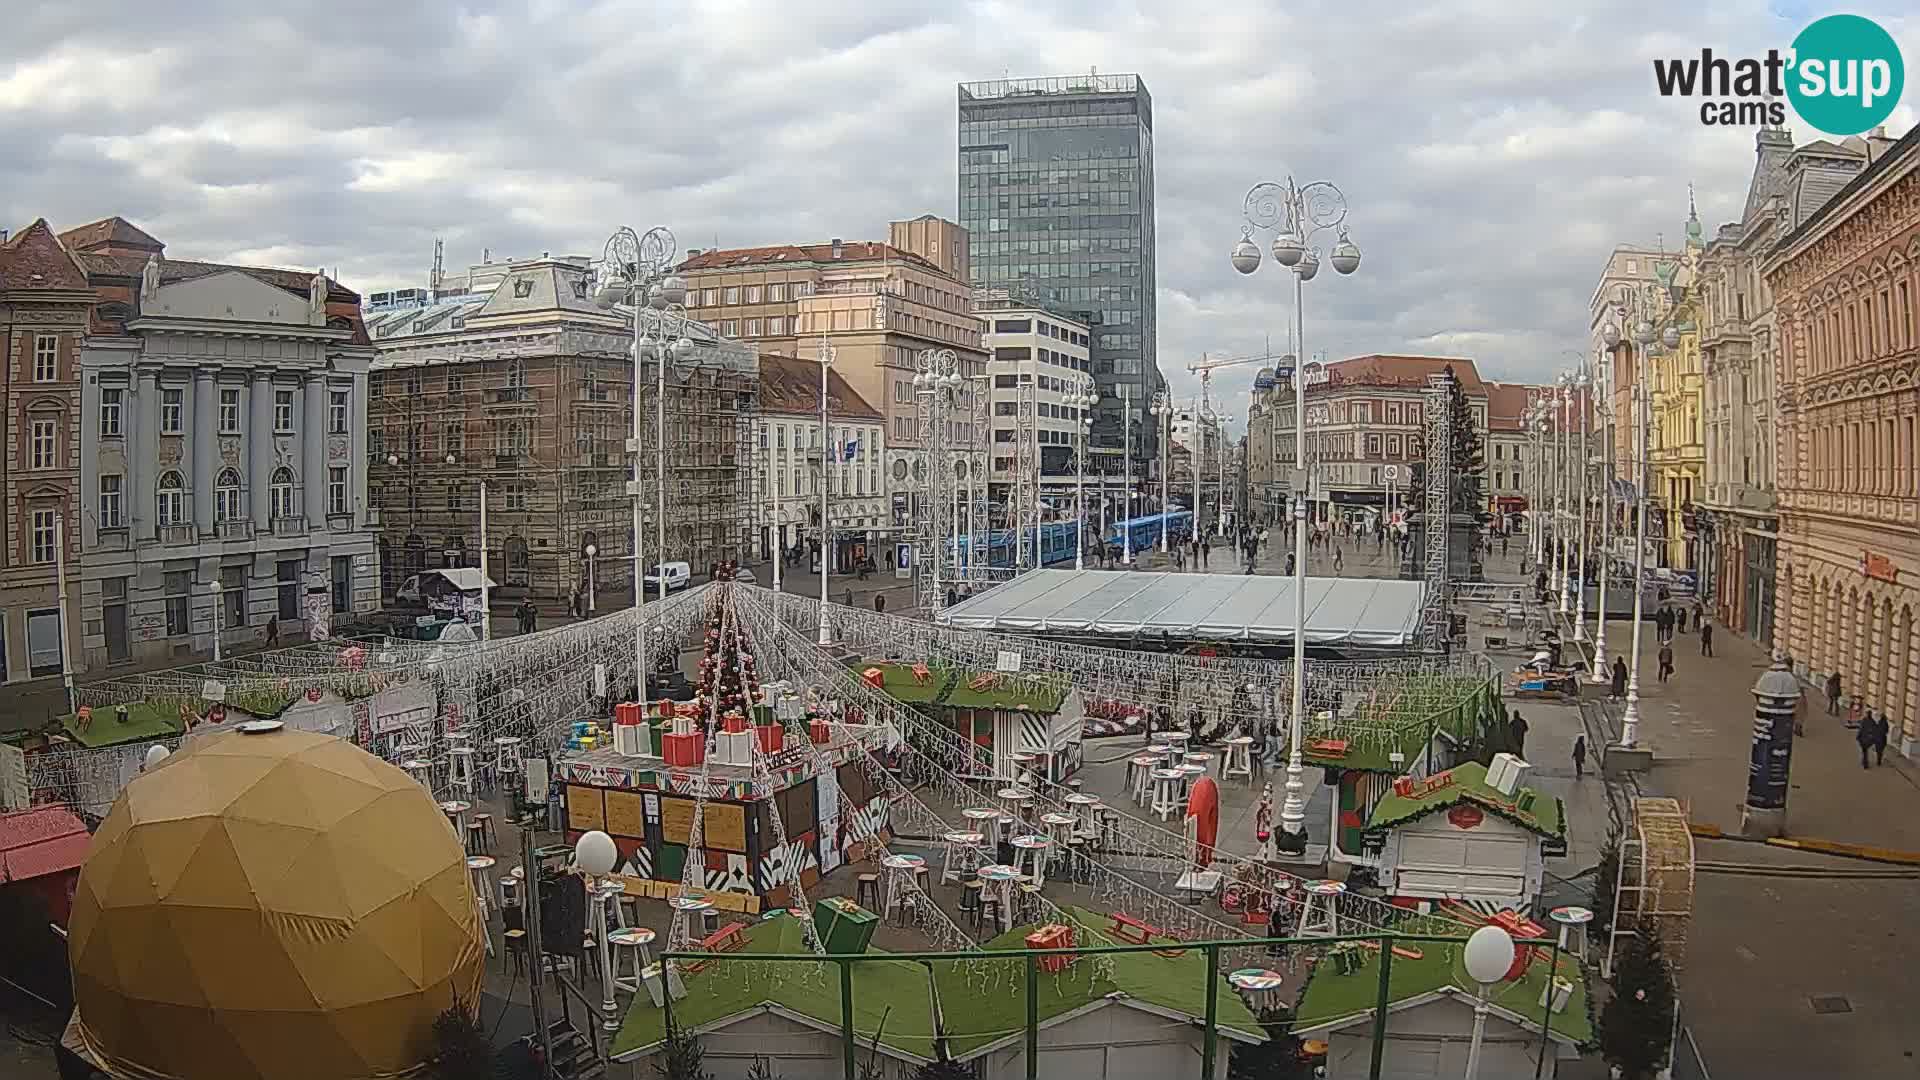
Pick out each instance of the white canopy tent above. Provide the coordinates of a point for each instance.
(1218, 607)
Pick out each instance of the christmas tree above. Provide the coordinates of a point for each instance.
(1467, 461)
(726, 672)
(1606, 878)
(1636, 1027)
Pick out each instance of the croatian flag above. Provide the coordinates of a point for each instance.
(853, 447)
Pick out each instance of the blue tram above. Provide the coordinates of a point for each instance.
(1057, 538)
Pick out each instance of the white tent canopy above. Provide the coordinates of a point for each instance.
(1218, 607)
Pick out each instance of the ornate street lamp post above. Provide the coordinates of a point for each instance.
(1296, 214)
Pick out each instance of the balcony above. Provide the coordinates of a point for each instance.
(112, 538)
(236, 530)
(512, 395)
(290, 526)
(177, 535)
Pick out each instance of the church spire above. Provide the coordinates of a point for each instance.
(1693, 220)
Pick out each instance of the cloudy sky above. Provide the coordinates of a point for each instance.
(1492, 152)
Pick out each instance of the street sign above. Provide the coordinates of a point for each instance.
(1008, 661)
(1392, 472)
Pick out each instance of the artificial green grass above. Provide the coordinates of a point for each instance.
(1546, 817)
(1423, 706)
(145, 720)
(948, 688)
(892, 995)
(1331, 996)
(901, 686)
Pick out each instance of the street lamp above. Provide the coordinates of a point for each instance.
(826, 357)
(1488, 956)
(1643, 336)
(217, 590)
(1082, 400)
(592, 550)
(596, 854)
(1563, 486)
(1297, 213)
(1582, 385)
(637, 268)
(1610, 334)
(1162, 410)
(1126, 462)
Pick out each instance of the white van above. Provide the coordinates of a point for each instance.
(675, 575)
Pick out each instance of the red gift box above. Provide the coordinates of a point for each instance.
(819, 732)
(626, 712)
(1519, 926)
(683, 751)
(734, 723)
(1052, 936)
(875, 678)
(771, 737)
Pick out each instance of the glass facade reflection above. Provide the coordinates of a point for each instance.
(1056, 189)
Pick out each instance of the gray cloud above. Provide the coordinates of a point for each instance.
(1492, 152)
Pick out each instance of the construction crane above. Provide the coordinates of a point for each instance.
(1204, 367)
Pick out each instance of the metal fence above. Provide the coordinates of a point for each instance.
(858, 1031)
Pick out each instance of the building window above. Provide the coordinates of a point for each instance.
(776, 293)
(456, 437)
(172, 501)
(287, 587)
(171, 406)
(226, 496)
(342, 583)
(229, 412)
(46, 643)
(110, 412)
(337, 412)
(753, 327)
(516, 496)
(282, 493)
(776, 326)
(179, 593)
(44, 442)
(709, 297)
(41, 529)
(233, 597)
(337, 490)
(729, 328)
(456, 383)
(283, 411)
(46, 358)
(753, 294)
(110, 502)
(733, 294)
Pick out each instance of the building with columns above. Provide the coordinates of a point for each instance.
(1845, 283)
(792, 451)
(223, 412)
(1676, 446)
(44, 301)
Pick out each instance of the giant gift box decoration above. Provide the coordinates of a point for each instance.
(845, 927)
(1052, 936)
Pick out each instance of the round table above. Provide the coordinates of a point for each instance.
(903, 862)
(1054, 817)
(690, 905)
(638, 937)
(1570, 916)
(1031, 842)
(980, 814)
(1014, 794)
(1326, 888)
(1000, 879)
(962, 838)
(479, 862)
(456, 809)
(998, 873)
(1255, 980)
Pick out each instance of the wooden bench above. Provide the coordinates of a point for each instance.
(1132, 930)
(729, 938)
(921, 674)
(984, 681)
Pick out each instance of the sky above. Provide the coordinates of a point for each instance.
(1491, 154)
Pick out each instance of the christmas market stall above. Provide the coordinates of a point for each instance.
(1029, 722)
(1472, 834)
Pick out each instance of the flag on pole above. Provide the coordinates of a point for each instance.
(853, 448)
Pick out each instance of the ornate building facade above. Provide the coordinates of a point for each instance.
(1845, 284)
(1675, 444)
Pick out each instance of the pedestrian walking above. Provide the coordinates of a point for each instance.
(1864, 737)
(1666, 661)
(1517, 725)
(1503, 547)
(1706, 638)
(1682, 613)
(1206, 552)
(1856, 713)
(1833, 694)
(1619, 688)
(1880, 731)
(880, 603)
(1579, 756)
(1336, 560)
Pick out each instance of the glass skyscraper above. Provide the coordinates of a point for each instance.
(1056, 188)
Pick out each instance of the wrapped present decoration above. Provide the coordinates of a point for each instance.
(819, 732)
(772, 738)
(683, 749)
(733, 722)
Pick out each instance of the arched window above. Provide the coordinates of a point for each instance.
(172, 498)
(226, 496)
(516, 379)
(282, 493)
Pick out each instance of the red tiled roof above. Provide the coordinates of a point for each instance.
(113, 232)
(34, 258)
(791, 254)
(1395, 370)
(1505, 404)
(42, 841)
(792, 386)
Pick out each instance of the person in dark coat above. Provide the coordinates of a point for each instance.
(1517, 726)
(1619, 688)
(1833, 694)
(1579, 756)
(1865, 736)
(880, 603)
(1706, 638)
(1881, 728)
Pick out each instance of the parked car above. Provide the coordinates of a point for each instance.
(745, 574)
(666, 577)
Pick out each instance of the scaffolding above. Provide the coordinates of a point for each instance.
(1653, 891)
(1024, 513)
(1436, 508)
(936, 481)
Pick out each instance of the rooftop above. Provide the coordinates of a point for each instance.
(790, 385)
(900, 992)
(1333, 1000)
(953, 688)
(1392, 369)
(41, 841)
(851, 251)
(34, 258)
(1531, 809)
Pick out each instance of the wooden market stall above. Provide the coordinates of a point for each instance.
(1469, 834)
(1009, 714)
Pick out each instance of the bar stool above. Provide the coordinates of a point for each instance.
(421, 770)
(460, 771)
(630, 942)
(456, 811)
(476, 840)
(477, 868)
(1320, 912)
(1077, 860)
(1166, 792)
(1200, 758)
(506, 755)
(866, 891)
(1239, 759)
(1140, 773)
(1059, 826)
(899, 870)
(970, 895)
(962, 856)
(485, 821)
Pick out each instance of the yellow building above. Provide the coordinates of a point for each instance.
(1676, 444)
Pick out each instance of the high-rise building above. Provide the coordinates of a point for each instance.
(1056, 190)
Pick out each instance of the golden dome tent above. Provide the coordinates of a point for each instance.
(274, 904)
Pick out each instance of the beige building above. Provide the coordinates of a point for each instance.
(1845, 285)
(880, 305)
(1630, 270)
(1513, 478)
(1740, 347)
(791, 452)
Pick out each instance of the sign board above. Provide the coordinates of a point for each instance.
(903, 560)
(1879, 567)
(1008, 661)
(1391, 472)
(15, 794)
(536, 779)
(213, 690)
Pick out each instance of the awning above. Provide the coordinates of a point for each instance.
(1214, 607)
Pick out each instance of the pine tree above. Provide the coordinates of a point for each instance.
(946, 1070)
(1467, 462)
(1606, 877)
(460, 1046)
(681, 1057)
(1636, 1027)
(1279, 1058)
